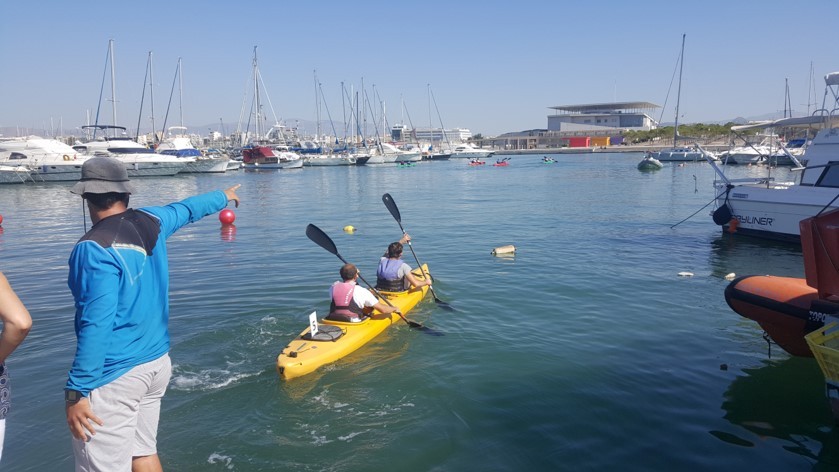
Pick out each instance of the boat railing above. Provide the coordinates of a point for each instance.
(713, 161)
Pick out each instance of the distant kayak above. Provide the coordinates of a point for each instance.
(502, 162)
(476, 163)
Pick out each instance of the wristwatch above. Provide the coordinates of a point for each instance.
(72, 396)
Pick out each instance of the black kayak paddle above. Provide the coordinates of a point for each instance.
(321, 239)
(394, 210)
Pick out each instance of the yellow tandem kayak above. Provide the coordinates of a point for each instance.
(336, 339)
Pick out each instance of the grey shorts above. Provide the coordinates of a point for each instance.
(129, 407)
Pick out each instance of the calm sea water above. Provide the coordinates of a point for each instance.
(583, 351)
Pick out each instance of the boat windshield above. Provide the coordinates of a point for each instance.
(830, 176)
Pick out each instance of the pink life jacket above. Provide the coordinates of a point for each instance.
(343, 307)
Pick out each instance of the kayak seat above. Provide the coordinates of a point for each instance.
(325, 333)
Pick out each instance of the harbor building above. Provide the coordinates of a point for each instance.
(590, 125)
(401, 133)
(620, 115)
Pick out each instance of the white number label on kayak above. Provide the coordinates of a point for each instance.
(313, 323)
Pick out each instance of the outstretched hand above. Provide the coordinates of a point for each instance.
(231, 194)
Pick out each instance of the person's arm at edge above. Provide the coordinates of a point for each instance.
(16, 319)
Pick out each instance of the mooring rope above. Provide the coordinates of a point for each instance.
(694, 213)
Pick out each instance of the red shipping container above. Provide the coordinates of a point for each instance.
(579, 142)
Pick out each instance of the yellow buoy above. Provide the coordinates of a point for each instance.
(349, 229)
(508, 249)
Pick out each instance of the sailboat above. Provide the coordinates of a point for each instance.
(179, 144)
(139, 160)
(677, 153)
(259, 155)
(440, 154)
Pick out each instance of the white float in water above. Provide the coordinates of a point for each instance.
(508, 249)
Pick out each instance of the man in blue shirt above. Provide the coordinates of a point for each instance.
(119, 277)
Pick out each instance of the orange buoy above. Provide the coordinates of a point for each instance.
(732, 225)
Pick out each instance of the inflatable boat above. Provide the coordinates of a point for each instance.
(788, 308)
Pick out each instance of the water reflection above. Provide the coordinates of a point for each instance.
(228, 232)
(743, 255)
(783, 400)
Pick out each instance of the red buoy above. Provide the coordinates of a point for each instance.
(1, 219)
(227, 217)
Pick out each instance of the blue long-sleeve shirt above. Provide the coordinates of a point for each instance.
(119, 277)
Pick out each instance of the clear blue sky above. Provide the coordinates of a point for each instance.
(493, 66)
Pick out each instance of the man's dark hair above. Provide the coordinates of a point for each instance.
(104, 201)
(348, 272)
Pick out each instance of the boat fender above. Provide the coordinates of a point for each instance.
(732, 225)
(722, 215)
(504, 250)
(66, 157)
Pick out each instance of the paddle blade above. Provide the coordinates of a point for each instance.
(392, 208)
(444, 305)
(321, 239)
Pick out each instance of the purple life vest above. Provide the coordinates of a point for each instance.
(387, 275)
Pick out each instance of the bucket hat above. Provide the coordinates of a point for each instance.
(103, 175)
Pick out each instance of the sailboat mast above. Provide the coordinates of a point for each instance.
(679, 91)
(181, 92)
(256, 96)
(317, 108)
(113, 83)
(151, 91)
(430, 123)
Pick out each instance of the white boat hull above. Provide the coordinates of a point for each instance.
(207, 165)
(329, 161)
(14, 174)
(140, 167)
(679, 155)
(472, 155)
(58, 172)
(775, 213)
(291, 164)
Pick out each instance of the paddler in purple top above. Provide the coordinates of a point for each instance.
(393, 274)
